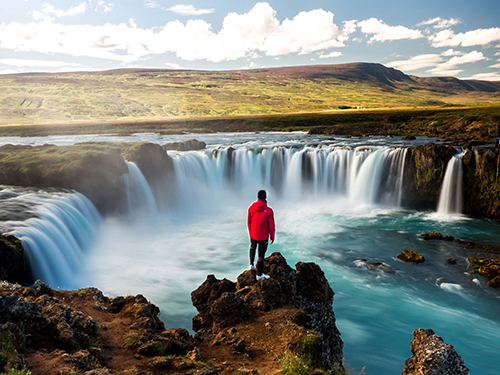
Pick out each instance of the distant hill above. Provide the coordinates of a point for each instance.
(152, 94)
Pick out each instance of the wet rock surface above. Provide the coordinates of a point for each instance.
(424, 171)
(411, 256)
(432, 356)
(13, 264)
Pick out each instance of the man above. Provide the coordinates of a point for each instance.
(261, 227)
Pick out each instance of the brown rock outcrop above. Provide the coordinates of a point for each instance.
(432, 356)
(221, 303)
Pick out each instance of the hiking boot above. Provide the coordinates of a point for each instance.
(7, 301)
(263, 276)
(252, 267)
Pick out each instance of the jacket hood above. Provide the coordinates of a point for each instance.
(260, 205)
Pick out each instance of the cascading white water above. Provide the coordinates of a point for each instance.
(450, 197)
(139, 194)
(56, 240)
(364, 176)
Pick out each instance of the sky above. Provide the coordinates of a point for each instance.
(459, 38)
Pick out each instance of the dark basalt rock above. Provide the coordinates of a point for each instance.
(411, 256)
(424, 171)
(409, 138)
(432, 356)
(486, 267)
(13, 264)
(190, 145)
(221, 303)
(436, 236)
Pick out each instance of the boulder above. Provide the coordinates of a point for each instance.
(411, 256)
(495, 282)
(190, 145)
(436, 236)
(432, 356)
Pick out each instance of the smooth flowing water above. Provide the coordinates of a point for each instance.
(335, 201)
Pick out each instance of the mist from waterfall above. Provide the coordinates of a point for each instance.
(334, 204)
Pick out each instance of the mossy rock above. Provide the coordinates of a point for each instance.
(495, 282)
(411, 256)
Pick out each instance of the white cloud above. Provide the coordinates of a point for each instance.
(383, 32)
(495, 66)
(189, 10)
(106, 7)
(448, 67)
(416, 62)
(174, 66)
(241, 35)
(332, 54)
(50, 9)
(479, 37)
(37, 63)
(151, 4)
(440, 23)
(452, 52)
(486, 76)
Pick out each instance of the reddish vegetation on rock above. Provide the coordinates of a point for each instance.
(432, 356)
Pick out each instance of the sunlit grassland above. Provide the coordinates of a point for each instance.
(158, 95)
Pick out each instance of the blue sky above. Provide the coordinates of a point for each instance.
(422, 37)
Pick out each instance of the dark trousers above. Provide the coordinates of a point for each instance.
(262, 252)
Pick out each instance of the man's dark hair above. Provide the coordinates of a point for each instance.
(262, 194)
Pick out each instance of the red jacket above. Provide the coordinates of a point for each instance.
(260, 221)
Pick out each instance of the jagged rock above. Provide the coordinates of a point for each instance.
(411, 256)
(436, 236)
(194, 355)
(229, 309)
(116, 304)
(486, 267)
(424, 171)
(190, 145)
(495, 282)
(176, 341)
(151, 349)
(219, 304)
(451, 261)
(432, 356)
(41, 288)
(13, 266)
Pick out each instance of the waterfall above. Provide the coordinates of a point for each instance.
(363, 176)
(139, 194)
(56, 240)
(450, 197)
(64, 225)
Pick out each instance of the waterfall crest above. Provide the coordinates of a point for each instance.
(56, 241)
(450, 197)
(139, 194)
(363, 176)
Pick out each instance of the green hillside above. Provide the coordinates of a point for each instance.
(142, 95)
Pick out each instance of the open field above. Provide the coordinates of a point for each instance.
(143, 95)
(283, 99)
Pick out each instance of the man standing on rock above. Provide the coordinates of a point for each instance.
(261, 227)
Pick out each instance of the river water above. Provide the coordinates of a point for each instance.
(335, 201)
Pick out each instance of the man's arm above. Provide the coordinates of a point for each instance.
(272, 227)
(249, 220)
